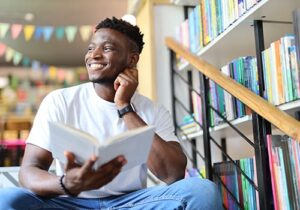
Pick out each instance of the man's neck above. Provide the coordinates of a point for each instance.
(106, 92)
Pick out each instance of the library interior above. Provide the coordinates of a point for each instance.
(228, 71)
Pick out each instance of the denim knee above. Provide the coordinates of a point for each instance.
(200, 193)
(13, 198)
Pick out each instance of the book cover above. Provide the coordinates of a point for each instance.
(288, 172)
(278, 67)
(83, 145)
(274, 75)
(286, 42)
(294, 71)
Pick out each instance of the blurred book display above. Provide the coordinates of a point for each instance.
(21, 92)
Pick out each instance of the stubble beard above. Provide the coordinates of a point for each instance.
(103, 81)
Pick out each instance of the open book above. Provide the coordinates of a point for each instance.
(134, 144)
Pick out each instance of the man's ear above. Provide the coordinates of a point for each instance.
(133, 60)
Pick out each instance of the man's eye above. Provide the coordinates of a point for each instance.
(108, 48)
(90, 49)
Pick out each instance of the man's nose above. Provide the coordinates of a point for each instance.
(97, 53)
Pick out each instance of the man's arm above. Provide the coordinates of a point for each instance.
(34, 173)
(166, 159)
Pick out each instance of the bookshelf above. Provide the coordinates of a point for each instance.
(264, 23)
(243, 123)
(238, 39)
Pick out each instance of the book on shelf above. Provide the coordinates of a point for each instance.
(281, 71)
(197, 107)
(208, 19)
(286, 42)
(284, 168)
(235, 181)
(66, 138)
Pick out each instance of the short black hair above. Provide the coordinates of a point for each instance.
(131, 31)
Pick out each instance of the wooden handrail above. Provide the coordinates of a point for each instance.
(277, 117)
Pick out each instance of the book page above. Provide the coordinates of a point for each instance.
(134, 144)
(66, 138)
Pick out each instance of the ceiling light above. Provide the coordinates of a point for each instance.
(29, 17)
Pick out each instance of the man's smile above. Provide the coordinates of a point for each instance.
(96, 66)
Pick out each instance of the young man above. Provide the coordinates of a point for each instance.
(104, 107)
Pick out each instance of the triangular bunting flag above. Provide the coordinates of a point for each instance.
(9, 54)
(26, 62)
(70, 33)
(3, 29)
(48, 30)
(38, 32)
(60, 32)
(2, 49)
(17, 58)
(15, 30)
(28, 31)
(85, 32)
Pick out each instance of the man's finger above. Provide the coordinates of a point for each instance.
(87, 166)
(132, 73)
(70, 160)
(117, 83)
(117, 162)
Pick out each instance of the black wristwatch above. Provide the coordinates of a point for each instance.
(125, 110)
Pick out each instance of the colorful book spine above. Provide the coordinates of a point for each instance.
(242, 193)
(283, 157)
(272, 171)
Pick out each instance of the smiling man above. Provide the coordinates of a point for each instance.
(106, 106)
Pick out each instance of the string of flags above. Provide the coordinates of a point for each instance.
(30, 32)
(50, 71)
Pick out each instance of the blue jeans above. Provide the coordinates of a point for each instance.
(191, 193)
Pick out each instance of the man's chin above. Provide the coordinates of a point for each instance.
(103, 81)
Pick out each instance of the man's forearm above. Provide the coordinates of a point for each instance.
(166, 160)
(40, 181)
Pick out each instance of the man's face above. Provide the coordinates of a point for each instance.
(107, 55)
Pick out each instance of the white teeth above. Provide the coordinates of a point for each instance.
(96, 66)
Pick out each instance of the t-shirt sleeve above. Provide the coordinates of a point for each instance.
(49, 110)
(163, 124)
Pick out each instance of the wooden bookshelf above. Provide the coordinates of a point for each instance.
(238, 39)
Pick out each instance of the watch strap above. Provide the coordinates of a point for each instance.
(125, 110)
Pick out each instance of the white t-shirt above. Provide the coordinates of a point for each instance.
(81, 107)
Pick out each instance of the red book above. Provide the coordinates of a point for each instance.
(271, 164)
